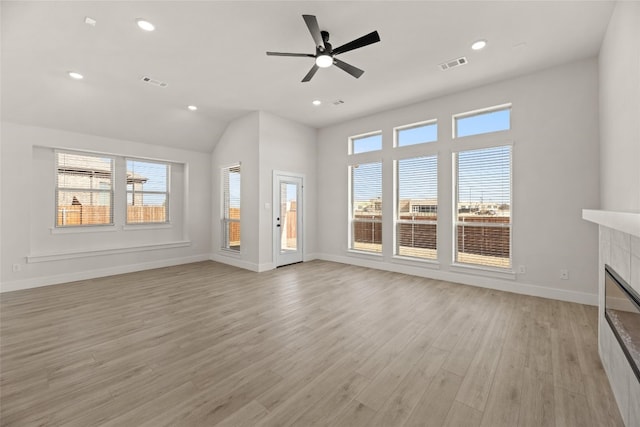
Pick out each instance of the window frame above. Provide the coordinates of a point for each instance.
(352, 139)
(479, 112)
(351, 204)
(398, 129)
(456, 223)
(226, 220)
(167, 193)
(397, 221)
(57, 189)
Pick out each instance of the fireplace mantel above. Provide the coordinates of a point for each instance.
(627, 222)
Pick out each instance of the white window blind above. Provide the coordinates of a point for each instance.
(366, 207)
(417, 207)
(147, 192)
(483, 200)
(84, 189)
(231, 208)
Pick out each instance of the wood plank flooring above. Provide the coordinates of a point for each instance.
(313, 344)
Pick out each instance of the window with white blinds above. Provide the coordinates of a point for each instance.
(231, 208)
(147, 192)
(366, 206)
(483, 201)
(84, 189)
(417, 207)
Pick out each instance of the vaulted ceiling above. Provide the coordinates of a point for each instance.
(212, 54)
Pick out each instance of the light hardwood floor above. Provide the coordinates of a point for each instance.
(317, 343)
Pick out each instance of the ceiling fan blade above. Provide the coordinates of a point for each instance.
(311, 73)
(354, 71)
(314, 29)
(363, 41)
(290, 54)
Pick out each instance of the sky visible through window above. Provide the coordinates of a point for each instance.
(485, 175)
(418, 134)
(477, 124)
(367, 181)
(155, 174)
(234, 189)
(367, 143)
(418, 178)
(150, 177)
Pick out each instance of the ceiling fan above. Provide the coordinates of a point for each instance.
(325, 55)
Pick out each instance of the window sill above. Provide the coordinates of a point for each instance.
(149, 226)
(365, 253)
(430, 263)
(57, 256)
(84, 229)
(230, 252)
(483, 271)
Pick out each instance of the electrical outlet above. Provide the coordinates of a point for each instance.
(564, 274)
(16, 268)
(522, 269)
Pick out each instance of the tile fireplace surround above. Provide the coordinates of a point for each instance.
(619, 243)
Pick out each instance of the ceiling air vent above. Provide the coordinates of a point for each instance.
(453, 63)
(154, 82)
(338, 102)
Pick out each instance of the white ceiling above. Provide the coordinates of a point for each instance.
(212, 54)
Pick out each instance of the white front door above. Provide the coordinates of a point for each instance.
(287, 214)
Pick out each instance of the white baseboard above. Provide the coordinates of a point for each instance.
(472, 280)
(310, 257)
(265, 266)
(234, 261)
(35, 282)
(258, 268)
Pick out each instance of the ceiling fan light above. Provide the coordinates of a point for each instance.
(324, 61)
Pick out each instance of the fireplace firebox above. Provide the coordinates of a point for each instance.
(622, 311)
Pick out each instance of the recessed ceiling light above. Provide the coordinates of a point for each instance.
(317, 102)
(145, 25)
(75, 75)
(89, 21)
(480, 44)
(192, 107)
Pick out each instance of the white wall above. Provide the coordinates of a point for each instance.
(288, 147)
(239, 143)
(619, 64)
(262, 142)
(46, 256)
(555, 175)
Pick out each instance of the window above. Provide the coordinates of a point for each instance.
(84, 189)
(483, 200)
(417, 134)
(479, 122)
(147, 192)
(231, 208)
(417, 207)
(366, 207)
(362, 144)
